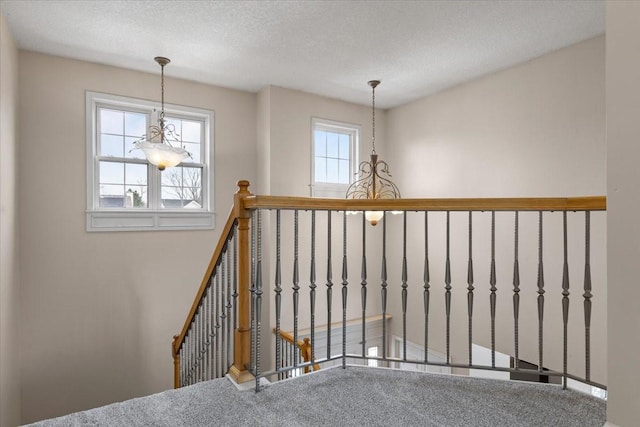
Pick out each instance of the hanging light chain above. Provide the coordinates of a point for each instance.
(373, 117)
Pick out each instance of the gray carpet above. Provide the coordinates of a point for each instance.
(353, 397)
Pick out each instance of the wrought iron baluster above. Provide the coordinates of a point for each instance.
(447, 294)
(345, 282)
(212, 333)
(492, 296)
(235, 278)
(252, 290)
(363, 287)
(223, 316)
(258, 344)
(540, 292)
(587, 294)
(329, 286)
(565, 300)
(404, 285)
(516, 291)
(278, 291)
(312, 285)
(296, 286)
(205, 336)
(426, 286)
(383, 285)
(229, 319)
(470, 289)
(219, 372)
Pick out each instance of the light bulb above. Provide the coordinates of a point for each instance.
(373, 216)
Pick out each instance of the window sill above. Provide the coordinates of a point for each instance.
(147, 220)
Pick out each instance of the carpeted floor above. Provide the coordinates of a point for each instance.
(354, 396)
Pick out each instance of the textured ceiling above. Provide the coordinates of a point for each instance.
(331, 48)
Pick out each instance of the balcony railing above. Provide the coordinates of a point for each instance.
(449, 272)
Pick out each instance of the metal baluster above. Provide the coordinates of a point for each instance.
(426, 286)
(383, 285)
(199, 345)
(565, 299)
(404, 285)
(296, 287)
(329, 287)
(252, 290)
(345, 282)
(363, 289)
(235, 278)
(492, 296)
(219, 372)
(540, 293)
(516, 291)
(470, 289)
(212, 333)
(223, 317)
(312, 285)
(278, 291)
(587, 294)
(205, 335)
(447, 294)
(229, 318)
(258, 301)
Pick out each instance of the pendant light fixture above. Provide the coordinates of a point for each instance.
(161, 143)
(373, 176)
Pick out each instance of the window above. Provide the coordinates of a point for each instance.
(124, 191)
(334, 157)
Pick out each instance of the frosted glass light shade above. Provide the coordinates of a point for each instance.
(373, 216)
(162, 155)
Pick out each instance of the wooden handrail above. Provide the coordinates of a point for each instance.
(589, 203)
(304, 346)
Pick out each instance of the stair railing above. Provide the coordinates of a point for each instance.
(245, 229)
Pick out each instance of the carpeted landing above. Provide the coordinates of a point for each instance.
(354, 396)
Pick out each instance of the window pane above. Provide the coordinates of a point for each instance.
(111, 173)
(191, 131)
(344, 146)
(344, 172)
(192, 177)
(172, 177)
(136, 174)
(332, 170)
(111, 145)
(194, 149)
(130, 151)
(111, 121)
(192, 198)
(111, 196)
(136, 197)
(182, 188)
(172, 197)
(321, 169)
(320, 142)
(332, 144)
(135, 124)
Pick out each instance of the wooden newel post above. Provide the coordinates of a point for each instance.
(242, 336)
(176, 362)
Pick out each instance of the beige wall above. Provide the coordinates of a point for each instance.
(537, 129)
(9, 284)
(623, 174)
(99, 309)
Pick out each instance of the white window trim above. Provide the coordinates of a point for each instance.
(330, 190)
(146, 219)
